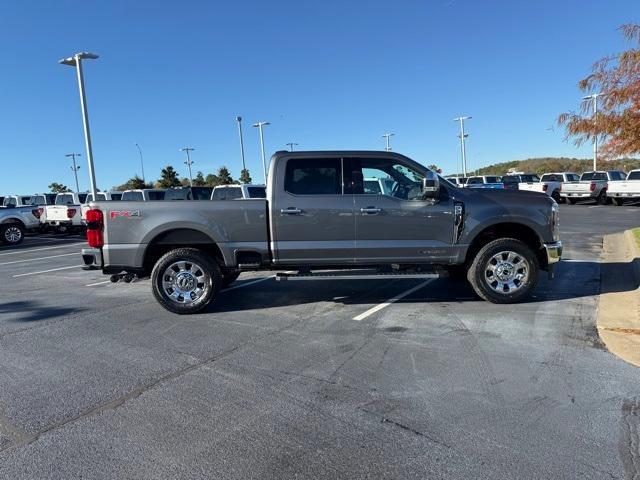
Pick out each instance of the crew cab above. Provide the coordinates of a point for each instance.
(484, 181)
(66, 213)
(15, 222)
(233, 192)
(628, 189)
(551, 184)
(143, 195)
(17, 201)
(318, 220)
(591, 186)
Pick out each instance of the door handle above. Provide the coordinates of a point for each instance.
(370, 210)
(291, 211)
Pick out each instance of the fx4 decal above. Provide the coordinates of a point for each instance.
(114, 214)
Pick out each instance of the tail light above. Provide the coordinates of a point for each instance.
(545, 187)
(37, 212)
(592, 187)
(71, 212)
(95, 227)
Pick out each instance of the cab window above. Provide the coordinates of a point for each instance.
(314, 176)
(394, 179)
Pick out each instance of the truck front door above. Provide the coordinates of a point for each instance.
(399, 226)
(312, 215)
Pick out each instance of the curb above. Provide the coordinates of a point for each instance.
(618, 318)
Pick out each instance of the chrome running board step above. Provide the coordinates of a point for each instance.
(355, 275)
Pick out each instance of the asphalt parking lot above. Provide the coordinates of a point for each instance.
(314, 379)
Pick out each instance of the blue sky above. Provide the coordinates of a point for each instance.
(327, 75)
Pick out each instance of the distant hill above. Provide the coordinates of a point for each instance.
(558, 164)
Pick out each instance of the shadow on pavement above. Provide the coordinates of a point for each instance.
(32, 311)
(575, 279)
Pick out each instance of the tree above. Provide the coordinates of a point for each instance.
(56, 187)
(245, 177)
(199, 180)
(434, 168)
(212, 180)
(224, 177)
(617, 122)
(134, 183)
(168, 178)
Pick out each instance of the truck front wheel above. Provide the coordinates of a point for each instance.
(185, 280)
(504, 271)
(12, 233)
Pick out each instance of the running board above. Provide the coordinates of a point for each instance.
(354, 275)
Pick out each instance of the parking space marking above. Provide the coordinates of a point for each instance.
(400, 296)
(17, 251)
(248, 283)
(98, 283)
(39, 258)
(45, 271)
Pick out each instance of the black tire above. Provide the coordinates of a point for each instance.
(228, 277)
(164, 280)
(602, 198)
(480, 272)
(571, 201)
(12, 233)
(619, 201)
(556, 196)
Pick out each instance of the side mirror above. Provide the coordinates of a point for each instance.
(431, 185)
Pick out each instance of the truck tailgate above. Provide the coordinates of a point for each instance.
(59, 212)
(531, 186)
(576, 187)
(624, 186)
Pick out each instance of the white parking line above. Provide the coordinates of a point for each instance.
(248, 283)
(98, 283)
(17, 250)
(400, 296)
(45, 271)
(39, 258)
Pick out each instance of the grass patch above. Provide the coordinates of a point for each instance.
(636, 234)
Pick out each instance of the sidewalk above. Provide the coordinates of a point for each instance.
(619, 306)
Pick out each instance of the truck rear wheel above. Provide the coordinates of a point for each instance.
(602, 198)
(504, 271)
(185, 280)
(12, 233)
(571, 201)
(619, 201)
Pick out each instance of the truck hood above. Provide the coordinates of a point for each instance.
(509, 197)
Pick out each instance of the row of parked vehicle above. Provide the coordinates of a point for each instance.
(67, 212)
(603, 187)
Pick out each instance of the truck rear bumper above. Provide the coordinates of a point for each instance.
(554, 252)
(92, 259)
(576, 194)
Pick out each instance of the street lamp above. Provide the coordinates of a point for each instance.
(594, 98)
(188, 162)
(259, 125)
(239, 120)
(291, 145)
(141, 162)
(462, 144)
(386, 137)
(75, 167)
(76, 61)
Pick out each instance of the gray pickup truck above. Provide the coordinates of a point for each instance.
(317, 222)
(16, 221)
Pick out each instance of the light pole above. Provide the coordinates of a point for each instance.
(75, 167)
(594, 98)
(141, 162)
(188, 162)
(462, 145)
(76, 61)
(386, 137)
(239, 120)
(291, 145)
(264, 162)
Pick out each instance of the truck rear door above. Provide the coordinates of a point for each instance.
(399, 226)
(311, 214)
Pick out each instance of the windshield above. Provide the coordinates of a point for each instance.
(529, 178)
(37, 200)
(493, 179)
(64, 199)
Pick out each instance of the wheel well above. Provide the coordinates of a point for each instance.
(179, 238)
(14, 220)
(508, 230)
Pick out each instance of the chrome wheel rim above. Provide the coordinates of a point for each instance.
(506, 272)
(185, 282)
(12, 234)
